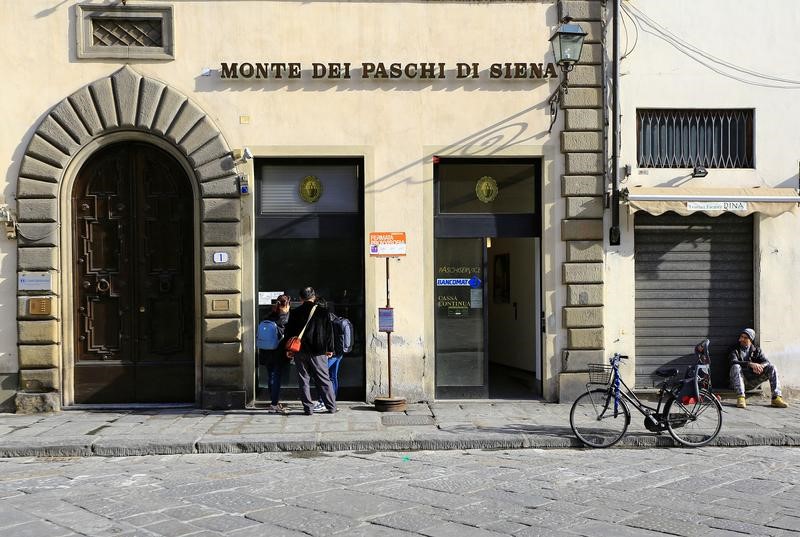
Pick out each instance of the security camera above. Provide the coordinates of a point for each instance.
(241, 156)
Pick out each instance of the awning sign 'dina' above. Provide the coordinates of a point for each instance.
(712, 201)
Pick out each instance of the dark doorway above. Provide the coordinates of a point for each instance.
(310, 231)
(133, 257)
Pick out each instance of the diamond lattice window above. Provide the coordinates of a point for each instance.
(124, 31)
(127, 32)
(684, 138)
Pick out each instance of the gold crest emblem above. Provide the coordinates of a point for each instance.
(310, 189)
(486, 189)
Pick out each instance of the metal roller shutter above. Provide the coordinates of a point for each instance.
(694, 279)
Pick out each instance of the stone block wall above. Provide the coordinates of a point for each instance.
(583, 189)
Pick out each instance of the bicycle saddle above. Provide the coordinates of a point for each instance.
(667, 372)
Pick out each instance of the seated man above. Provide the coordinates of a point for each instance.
(749, 365)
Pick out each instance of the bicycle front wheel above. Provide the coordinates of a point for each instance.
(694, 424)
(594, 420)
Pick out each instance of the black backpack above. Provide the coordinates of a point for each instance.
(342, 335)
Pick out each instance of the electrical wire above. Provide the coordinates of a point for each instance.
(708, 60)
(635, 39)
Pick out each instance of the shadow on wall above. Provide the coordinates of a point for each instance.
(488, 141)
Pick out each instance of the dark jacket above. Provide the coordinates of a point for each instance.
(741, 356)
(318, 337)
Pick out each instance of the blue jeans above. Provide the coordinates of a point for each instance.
(275, 362)
(333, 371)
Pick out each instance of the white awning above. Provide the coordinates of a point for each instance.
(712, 201)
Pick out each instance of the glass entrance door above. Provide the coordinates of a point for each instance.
(487, 295)
(461, 328)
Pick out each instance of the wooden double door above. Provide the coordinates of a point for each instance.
(133, 266)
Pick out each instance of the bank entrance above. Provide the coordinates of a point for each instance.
(487, 278)
(310, 231)
(132, 214)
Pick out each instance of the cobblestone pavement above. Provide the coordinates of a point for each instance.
(707, 492)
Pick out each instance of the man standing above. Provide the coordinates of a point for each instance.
(316, 348)
(748, 364)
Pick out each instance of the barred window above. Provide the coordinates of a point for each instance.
(127, 32)
(684, 138)
(108, 32)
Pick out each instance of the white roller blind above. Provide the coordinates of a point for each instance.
(280, 188)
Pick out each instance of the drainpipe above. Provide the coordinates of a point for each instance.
(614, 232)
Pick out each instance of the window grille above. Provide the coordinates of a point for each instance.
(126, 32)
(687, 138)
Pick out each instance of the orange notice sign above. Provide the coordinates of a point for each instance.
(387, 243)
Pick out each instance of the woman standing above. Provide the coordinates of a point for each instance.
(275, 360)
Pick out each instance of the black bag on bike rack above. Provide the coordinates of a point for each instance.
(696, 377)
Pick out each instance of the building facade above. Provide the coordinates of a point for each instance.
(709, 163)
(172, 167)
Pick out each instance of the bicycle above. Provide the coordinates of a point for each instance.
(686, 407)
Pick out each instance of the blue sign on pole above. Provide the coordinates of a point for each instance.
(475, 282)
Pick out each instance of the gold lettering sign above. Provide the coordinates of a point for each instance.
(486, 189)
(449, 269)
(310, 189)
(451, 301)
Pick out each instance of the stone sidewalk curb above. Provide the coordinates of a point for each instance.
(330, 442)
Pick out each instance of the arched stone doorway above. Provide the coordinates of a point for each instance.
(125, 107)
(133, 284)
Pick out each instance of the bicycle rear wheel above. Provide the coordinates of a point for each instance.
(694, 424)
(594, 421)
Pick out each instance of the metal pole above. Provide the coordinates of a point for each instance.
(388, 334)
(614, 232)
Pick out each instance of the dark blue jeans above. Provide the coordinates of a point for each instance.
(333, 371)
(275, 362)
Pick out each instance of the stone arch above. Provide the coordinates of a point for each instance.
(127, 105)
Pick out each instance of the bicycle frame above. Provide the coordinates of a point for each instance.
(614, 390)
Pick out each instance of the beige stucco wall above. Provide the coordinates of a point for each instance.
(396, 125)
(657, 74)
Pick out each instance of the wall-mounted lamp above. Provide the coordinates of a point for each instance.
(699, 171)
(567, 44)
